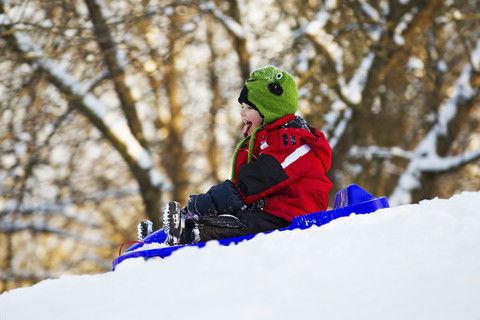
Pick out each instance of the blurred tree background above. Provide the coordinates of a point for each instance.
(111, 108)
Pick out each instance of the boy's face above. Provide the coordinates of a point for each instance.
(251, 119)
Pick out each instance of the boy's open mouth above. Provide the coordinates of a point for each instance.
(246, 127)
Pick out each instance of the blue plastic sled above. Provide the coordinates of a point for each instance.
(351, 199)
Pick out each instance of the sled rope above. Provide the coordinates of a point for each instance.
(128, 242)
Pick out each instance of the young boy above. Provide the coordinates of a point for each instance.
(278, 170)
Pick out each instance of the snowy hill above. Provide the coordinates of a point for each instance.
(409, 262)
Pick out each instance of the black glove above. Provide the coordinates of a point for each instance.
(220, 199)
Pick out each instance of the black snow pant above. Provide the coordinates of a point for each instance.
(229, 226)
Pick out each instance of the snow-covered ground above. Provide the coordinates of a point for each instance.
(417, 261)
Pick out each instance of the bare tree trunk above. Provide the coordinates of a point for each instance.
(435, 183)
(384, 128)
(213, 152)
(174, 154)
(240, 44)
(150, 193)
(117, 74)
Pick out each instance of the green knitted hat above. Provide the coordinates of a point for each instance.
(272, 92)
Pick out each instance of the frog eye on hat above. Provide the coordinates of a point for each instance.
(275, 88)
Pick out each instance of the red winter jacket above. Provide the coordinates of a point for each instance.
(288, 168)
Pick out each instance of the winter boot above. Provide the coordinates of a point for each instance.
(144, 229)
(172, 223)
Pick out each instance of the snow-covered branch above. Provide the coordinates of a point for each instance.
(111, 125)
(315, 29)
(337, 118)
(42, 209)
(376, 152)
(425, 157)
(43, 228)
(232, 26)
(402, 25)
(25, 276)
(349, 92)
(64, 208)
(336, 121)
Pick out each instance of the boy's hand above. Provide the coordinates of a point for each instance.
(220, 199)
